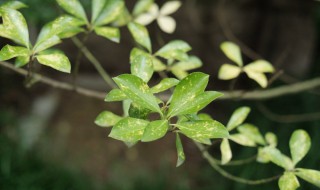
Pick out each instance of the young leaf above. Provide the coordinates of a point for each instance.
(109, 13)
(164, 85)
(228, 72)
(157, 64)
(138, 91)
(115, 95)
(271, 139)
(238, 117)
(110, 33)
(73, 7)
(226, 153)
(167, 24)
(300, 144)
(170, 7)
(251, 132)
(129, 129)
(136, 111)
(142, 67)
(311, 176)
(54, 40)
(260, 66)
(140, 35)
(180, 152)
(275, 156)
(155, 130)
(260, 78)
(107, 119)
(9, 52)
(232, 51)
(175, 50)
(57, 61)
(186, 92)
(288, 181)
(21, 61)
(203, 129)
(192, 63)
(242, 139)
(97, 7)
(142, 6)
(14, 26)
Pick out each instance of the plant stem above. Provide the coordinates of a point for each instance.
(106, 77)
(224, 173)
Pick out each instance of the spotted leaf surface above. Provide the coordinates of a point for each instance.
(155, 130)
(180, 153)
(107, 119)
(251, 132)
(9, 52)
(288, 181)
(115, 95)
(109, 13)
(142, 67)
(164, 85)
(110, 33)
(300, 144)
(311, 176)
(57, 61)
(238, 117)
(175, 50)
(140, 35)
(275, 156)
(73, 7)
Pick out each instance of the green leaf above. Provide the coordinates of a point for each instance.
(54, 40)
(260, 66)
(138, 91)
(73, 7)
(311, 176)
(300, 144)
(180, 152)
(204, 116)
(192, 63)
(110, 12)
(175, 50)
(252, 132)
(126, 106)
(142, 6)
(115, 95)
(275, 156)
(140, 35)
(271, 139)
(242, 139)
(142, 67)
(180, 74)
(288, 181)
(232, 51)
(13, 5)
(136, 111)
(97, 7)
(263, 156)
(228, 72)
(186, 92)
(9, 52)
(110, 33)
(21, 61)
(129, 129)
(226, 153)
(157, 64)
(238, 117)
(203, 129)
(155, 130)
(164, 85)
(14, 27)
(107, 119)
(260, 78)
(57, 61)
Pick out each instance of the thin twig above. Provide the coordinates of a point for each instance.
(224, 173)
(78, 59)
(237, 162)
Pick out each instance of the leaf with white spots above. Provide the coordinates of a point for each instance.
(192, 63)
(140, 35)
(157, 64)
(300, 144)
(170, 7)
(251, 132)
(228, 72)
(73, 7)
(129, 129)
(115, 95)
(174, 50)
(232, 51)
(57, 61)
(110, 12)
(288, 181)
(275, 156)
(203, 129)
(226, 153)
(141, 66)
(164, 85)
(311, 176)
(180, 152)
(110, 33)
(138, 91)
(9, 52)
(54, 40)
(238, 117)
(242, 140)
(155, 130)
(107, 119)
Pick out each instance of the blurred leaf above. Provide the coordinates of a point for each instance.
(288, 181)
(311, 176)
(170, 7)
(97, 7)
(155, 130)
(142, 6)
(21, 61)
(107, 119)
(278, 158)
(300, 144)
(238, 117)
(226, 153)
(232, 51)
(140, 35)
(129, 130)
(136, 111)
(138, 91)
(54, 40)
(260, 66)
(123, 19)
(115, 95)
(110, 33)
(271, 139)
(203, 129)
(57, 61)
(73, 7)
(142, 67)
(242, 140)
(180, 152)
(157, 64)
(175, 50)
(204, 116)
(192, 63)
(109, 13)
(251, 132)
(227, 72)
(13, 5)
(186, 92)
(164, 85)
(260, 78)
(167, 24)
(9, 52)
(180, 74)
(263, 156)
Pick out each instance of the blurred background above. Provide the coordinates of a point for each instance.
(48, 139)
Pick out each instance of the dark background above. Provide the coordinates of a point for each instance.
(48, 139)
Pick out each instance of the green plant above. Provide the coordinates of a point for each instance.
(146, 116)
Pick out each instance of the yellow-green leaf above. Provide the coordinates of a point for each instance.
(142, 67)
(311, 176)
(227, 72)
(140, 35)
(180, 152)
(260, 78)
(110, 12)
(73, 7)
(110, 33)
(275, 156)
(300, 144)
(242, 139)
(57, 61)
(251, 132)
(142, 6)
(21, 61)
(164, 85)
(107, 119)
(226, 153)
(238, 117)
(9, 52)
(288, 181)
(115, 95)
(260, 66)
(155, 130)
(232, 51)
